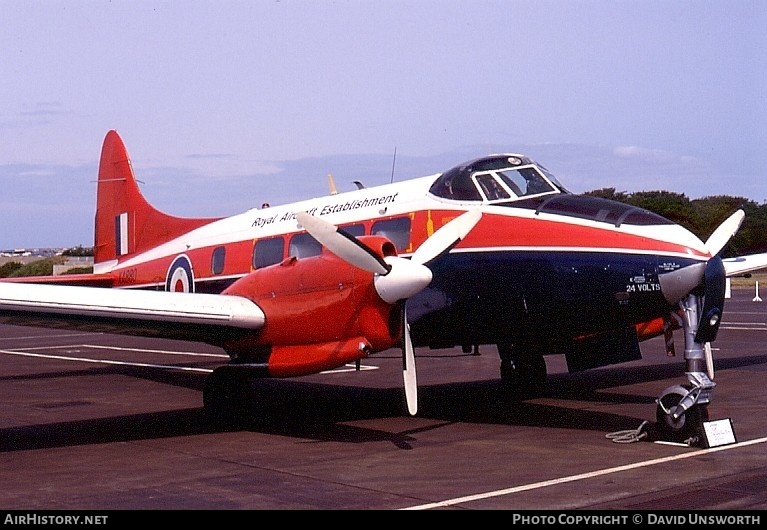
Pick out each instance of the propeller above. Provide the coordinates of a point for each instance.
(721, 236)
(408, 364)
(397, 278)
(677, 284)
(710, 274)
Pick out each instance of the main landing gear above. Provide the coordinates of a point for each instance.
(682, 409)
(227, 396)
(523, 370)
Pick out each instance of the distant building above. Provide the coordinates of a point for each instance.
(25, 256)
(73, 263)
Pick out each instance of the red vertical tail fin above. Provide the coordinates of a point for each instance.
(125, 221)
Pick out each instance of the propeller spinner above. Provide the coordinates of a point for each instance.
(397, 279)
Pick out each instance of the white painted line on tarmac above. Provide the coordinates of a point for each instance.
(41, 337)
(104, 361)
(582, 476)
(118, 348)
(349, 368)
(27, 353)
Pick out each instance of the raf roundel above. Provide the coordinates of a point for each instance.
(180, 278)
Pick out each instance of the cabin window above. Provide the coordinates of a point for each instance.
(304, 246)
(217, 261)
(267, 252)
(396, 230)
(354, 230)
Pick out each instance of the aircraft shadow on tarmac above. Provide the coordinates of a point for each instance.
(317, 411)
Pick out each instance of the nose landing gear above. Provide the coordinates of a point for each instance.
(683, 409)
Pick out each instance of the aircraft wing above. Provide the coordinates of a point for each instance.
(744, 264)
(88, 280)
(209, 318)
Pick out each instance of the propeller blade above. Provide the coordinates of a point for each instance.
(446, 237)
(408, 365)
(709, 360)
(343, 245)
(397, 278)
(716, 242)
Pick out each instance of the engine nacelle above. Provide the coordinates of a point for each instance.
(306, 359)
(321, 312)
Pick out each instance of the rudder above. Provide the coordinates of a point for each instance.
(125, 221)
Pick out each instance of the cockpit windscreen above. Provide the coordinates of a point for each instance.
(497, 178)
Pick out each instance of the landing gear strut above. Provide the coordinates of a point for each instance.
(682, 409)
(227, 397)
(523, 371)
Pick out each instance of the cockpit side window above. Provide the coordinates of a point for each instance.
(461, 188)
(553, 179)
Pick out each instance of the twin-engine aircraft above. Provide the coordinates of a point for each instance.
(494, 251)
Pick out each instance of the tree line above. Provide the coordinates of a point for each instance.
(702, 216)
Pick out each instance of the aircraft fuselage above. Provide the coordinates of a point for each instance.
(542, 263)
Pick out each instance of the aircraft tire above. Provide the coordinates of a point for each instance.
(688, 426)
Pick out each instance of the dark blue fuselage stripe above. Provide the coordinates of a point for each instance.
(478, 298)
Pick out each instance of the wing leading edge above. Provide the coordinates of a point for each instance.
(199, 317)
(745, 264)
(85, 280)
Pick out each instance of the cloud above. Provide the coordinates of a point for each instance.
(37, 114)
(643, 153)
(45, 109)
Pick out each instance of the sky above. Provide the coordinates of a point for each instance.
(224, 105)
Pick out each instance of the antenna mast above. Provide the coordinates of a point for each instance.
(392, 164)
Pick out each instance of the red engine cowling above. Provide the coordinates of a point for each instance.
(321, 313)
